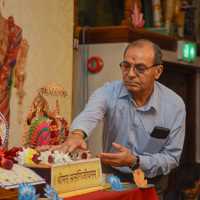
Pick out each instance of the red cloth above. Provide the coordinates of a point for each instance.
(139, 194)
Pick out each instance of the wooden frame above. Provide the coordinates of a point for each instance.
(114, 34)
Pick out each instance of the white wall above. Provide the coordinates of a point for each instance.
(112, 55)
(47, 25)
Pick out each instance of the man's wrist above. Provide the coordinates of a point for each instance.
(136, 164)
(80, 132)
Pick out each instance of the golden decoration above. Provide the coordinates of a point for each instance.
(53, 89)
(40, 109)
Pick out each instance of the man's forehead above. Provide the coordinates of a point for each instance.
(145, 45)
(138, 52)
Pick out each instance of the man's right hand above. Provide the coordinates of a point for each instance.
(74, 141)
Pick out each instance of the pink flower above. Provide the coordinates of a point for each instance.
(50, 159)
(8, 164)
(84, 155)
(35, 158)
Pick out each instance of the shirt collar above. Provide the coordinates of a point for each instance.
(153, 101)
(123, 92)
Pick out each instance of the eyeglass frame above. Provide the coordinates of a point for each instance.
(136, 67)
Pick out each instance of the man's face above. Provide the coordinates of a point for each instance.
(192, 193)
(140, 83)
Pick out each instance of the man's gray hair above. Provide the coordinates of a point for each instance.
(157, 51)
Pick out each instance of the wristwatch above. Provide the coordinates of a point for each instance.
(136, 165)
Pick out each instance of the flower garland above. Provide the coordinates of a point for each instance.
(4, 162)
(12, 153)
(54, 131)
(79, 154)
(53, 128)
(7, 157)
(31, 156)
(66, 127)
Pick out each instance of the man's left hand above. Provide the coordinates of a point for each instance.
(121, 159)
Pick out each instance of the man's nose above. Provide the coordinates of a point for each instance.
(187, 191)
(132, 72)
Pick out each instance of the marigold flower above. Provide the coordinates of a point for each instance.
(30, 156)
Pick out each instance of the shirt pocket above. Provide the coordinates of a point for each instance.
(154, 145)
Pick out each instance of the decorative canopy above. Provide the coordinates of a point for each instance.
(53, 89)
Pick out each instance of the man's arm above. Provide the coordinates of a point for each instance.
(153, 164)
(74, 140)
(86, 121)
(122, 159)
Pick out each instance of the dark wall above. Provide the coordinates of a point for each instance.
(97, 13)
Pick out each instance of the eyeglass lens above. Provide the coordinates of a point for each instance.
(125, 67)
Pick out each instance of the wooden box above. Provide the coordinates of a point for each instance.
(79, 175)
(8, 194)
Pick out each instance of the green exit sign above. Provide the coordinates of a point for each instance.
(186, 51)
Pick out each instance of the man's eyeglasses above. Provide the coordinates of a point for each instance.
(139, 69)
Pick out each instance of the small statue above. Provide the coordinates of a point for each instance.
(137, 17)
(156, 13)
(128, 5)
(174, 12)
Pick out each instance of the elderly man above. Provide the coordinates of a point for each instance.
(131, 109)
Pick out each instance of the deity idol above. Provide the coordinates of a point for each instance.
(13, 59)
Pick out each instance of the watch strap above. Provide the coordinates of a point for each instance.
(136, 165)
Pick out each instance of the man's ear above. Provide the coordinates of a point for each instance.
(159, 71)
